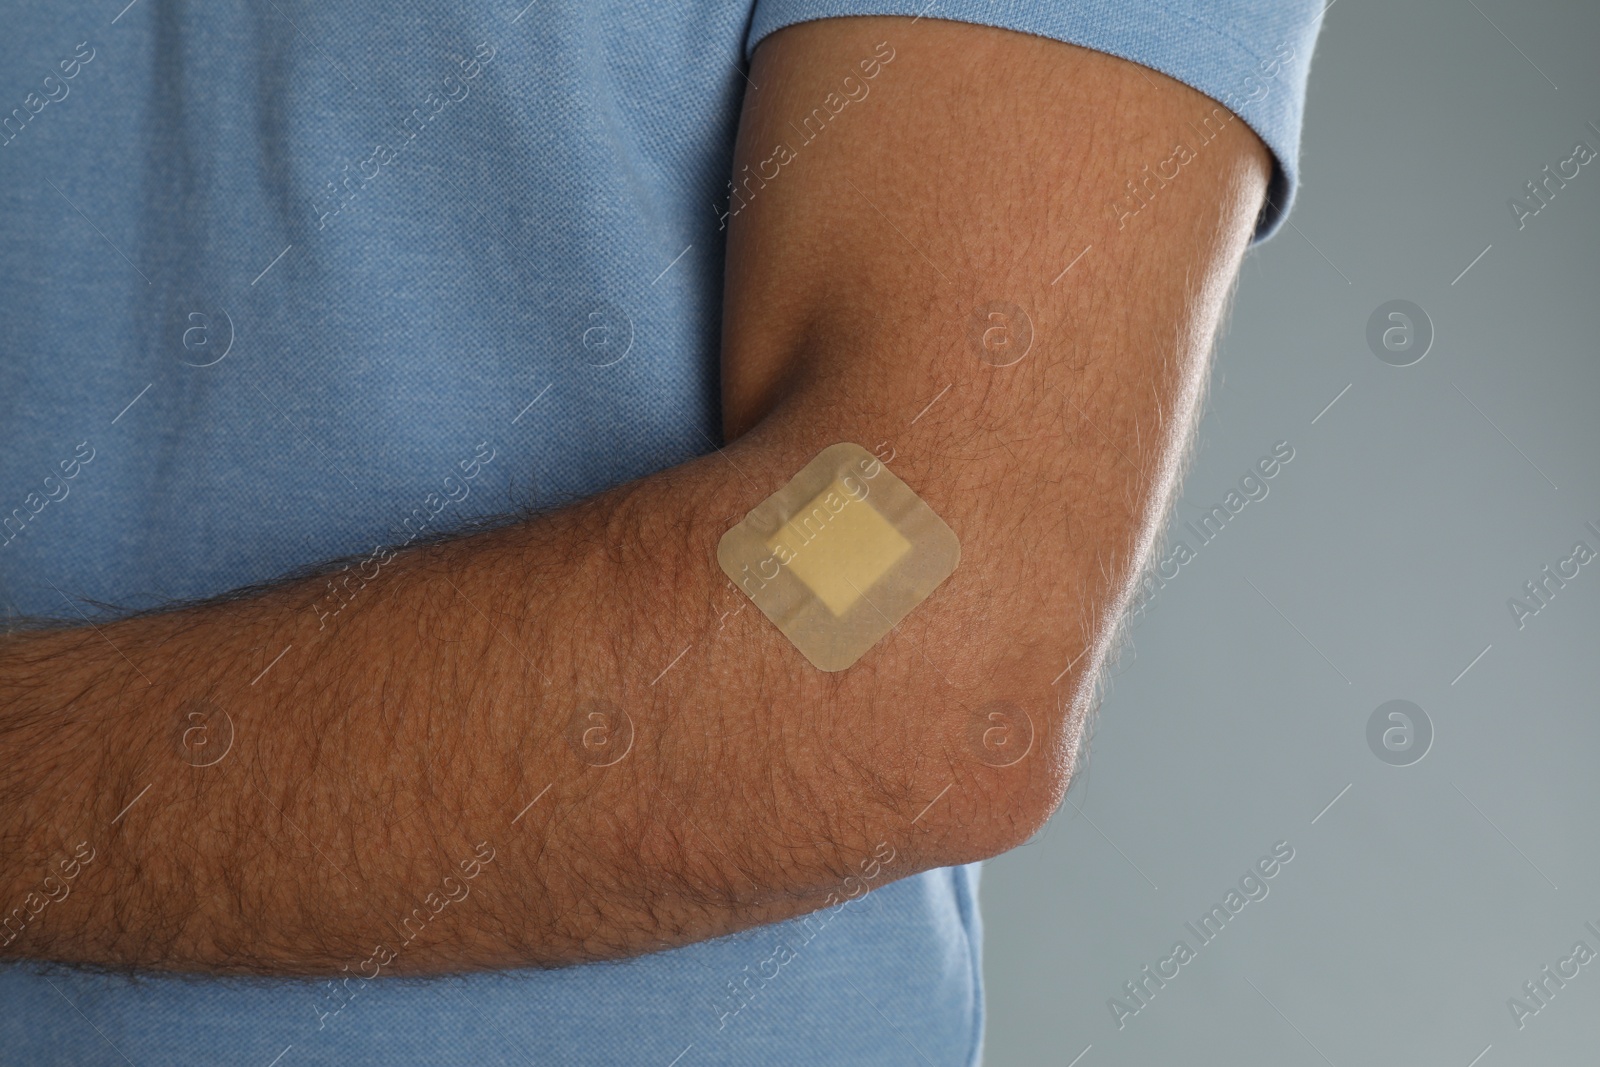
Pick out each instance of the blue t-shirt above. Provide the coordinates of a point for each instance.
(276, 277)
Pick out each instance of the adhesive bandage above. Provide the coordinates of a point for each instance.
(839, 555)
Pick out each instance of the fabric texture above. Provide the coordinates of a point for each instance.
(274, 276)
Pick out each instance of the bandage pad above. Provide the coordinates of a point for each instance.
(839, 555)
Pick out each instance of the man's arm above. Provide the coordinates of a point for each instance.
(572, 738)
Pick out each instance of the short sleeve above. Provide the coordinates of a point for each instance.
(1251, 56)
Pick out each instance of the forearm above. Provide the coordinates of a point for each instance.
(391, 739)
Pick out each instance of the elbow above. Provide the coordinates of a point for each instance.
(996, 807)
(1005, 765)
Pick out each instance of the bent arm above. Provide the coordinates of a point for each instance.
(573, 738)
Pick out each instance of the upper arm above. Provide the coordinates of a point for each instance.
(971, 166)
(895, 224)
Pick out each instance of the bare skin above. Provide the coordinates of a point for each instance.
(415, 757)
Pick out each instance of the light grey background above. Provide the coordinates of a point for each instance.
(1382, 562)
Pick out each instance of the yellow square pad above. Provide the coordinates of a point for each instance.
(839, 553)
